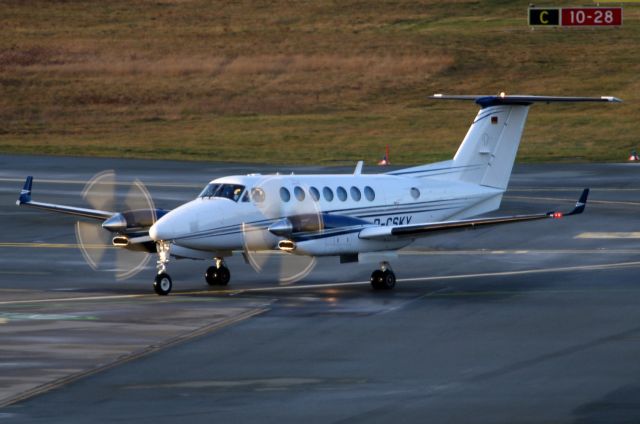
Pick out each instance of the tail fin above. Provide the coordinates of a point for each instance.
(488, 151)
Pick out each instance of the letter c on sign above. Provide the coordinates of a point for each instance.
(543, 17)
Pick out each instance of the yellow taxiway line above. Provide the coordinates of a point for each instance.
(82, 182)
(54, 245)
(408, 252)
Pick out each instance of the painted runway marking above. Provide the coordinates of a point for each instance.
(24, 273)
(563, 199)
(75, 299)
(618, 265)
(427, 252)
(199, 332)
(54, 245)
(82, 182)
(609, 235)
(408, 252)
(7, 316)
(532, 189)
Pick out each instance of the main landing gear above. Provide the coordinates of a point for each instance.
(383, 278)
(218, 275)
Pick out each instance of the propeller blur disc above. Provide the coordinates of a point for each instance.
(104, 192)
(260, 246)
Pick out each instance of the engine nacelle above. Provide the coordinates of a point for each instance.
(134, 219)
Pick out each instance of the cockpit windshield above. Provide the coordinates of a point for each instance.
(229, 191)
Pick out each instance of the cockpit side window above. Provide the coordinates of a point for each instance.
(209, 190)
(228, 191)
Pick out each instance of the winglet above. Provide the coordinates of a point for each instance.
(25, 194)
(580, 204)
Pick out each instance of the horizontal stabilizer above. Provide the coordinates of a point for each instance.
(521, 99)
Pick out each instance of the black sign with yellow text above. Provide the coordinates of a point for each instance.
(544, 16)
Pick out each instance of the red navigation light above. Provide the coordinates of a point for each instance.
(557, 215)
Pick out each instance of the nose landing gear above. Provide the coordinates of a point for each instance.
(383, 278)
(162, 284)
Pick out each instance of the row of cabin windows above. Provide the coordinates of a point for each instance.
(327, 193)
(234, 191)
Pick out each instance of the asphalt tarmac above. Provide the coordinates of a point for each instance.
(531, 323)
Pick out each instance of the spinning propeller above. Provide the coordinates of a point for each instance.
(284, 211)
(109, 246)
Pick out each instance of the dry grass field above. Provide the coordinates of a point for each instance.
(303, 82)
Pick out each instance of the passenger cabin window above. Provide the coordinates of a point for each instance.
(355, 194)
(369, 193)
(285, 195)
(328, 194)
(415, 193)
(299, 193)
(342, 193)
(228, 191)
(315, 194)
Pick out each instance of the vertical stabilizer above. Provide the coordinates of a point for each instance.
(488, 151)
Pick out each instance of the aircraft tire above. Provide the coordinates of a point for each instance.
(217, 276)
(224, 275)
(376, 279)
(211, 276)
(388, 280)
(162, 284)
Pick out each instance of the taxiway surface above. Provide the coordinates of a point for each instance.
(536, 322)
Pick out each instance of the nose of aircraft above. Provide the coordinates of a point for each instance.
(182, 221)
(169, 227)
(154, 233)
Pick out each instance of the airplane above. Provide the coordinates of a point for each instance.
(355, 216)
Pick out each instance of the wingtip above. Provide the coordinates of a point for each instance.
(581, 204)
(25, 194)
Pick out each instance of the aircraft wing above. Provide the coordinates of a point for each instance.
(420, 230)
(25, 200)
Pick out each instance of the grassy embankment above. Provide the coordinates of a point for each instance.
(302, 82)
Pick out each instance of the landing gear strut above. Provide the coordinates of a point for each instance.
(162, 283)
(383, 278)
(218, 275)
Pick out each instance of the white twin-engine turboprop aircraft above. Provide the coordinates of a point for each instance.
(352, 216)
